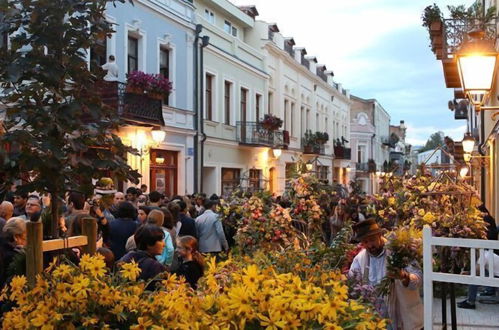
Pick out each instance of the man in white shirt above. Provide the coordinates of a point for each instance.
(112, 69)
(404, 305)
(210, 230)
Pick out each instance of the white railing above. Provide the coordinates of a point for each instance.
(473, 278)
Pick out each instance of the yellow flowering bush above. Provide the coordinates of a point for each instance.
(87, 296)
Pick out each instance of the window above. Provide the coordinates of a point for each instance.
(291, 119)
(228, 28)
(231, 178)
(164, 67)
(325, 125)
(258, 100)
(361, 154)
(227, 102)
(133, 54)
(255, 180)
(317, 123)
(209, 16)
(209, 97)
(244, 104)
(302, 121)
(271, 99)
(322, 172)
(98, 53)
(308, 120)
(286, 115)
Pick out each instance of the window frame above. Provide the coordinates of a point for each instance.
(136, 49)
(209, 93)
(228, 86)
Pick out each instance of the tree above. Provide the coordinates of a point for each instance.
(436, 140)
(61, 133)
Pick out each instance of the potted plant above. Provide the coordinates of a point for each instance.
(321, 137)
(154, 85)
(432, 19)
(271, 122)
(309, 142)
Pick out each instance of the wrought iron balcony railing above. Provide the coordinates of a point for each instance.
(455, 32)
(316, 149)
(134, 108)
(253, 133)
(341, 152)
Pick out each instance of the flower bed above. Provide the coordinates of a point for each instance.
(231, 295)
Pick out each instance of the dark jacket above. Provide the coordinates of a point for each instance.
(192, 271)
(149, 266)
(8, 252)
(188, 226)
(491, 228)
(119, 231)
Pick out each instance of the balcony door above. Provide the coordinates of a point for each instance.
(164, 171)
(244, 112)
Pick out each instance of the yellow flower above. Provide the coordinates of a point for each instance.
(18, 283)
(421, 212)
(95, 265)
(381, 213)
(62, 271)
(89, 321)
(273, 321)
(391, 201)
(130, 271)
(143, 323)
(429, 218)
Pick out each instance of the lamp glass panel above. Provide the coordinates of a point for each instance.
(468, 145)
(477, 71)
(158, 136)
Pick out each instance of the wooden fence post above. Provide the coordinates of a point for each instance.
(89, 229)
(34, 251)
(427, 277)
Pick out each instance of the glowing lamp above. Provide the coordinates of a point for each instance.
(463, 171)
(467, 157)
(468, 143)
(277, 152)
(309, 167)
(158, 136)
(477, 61)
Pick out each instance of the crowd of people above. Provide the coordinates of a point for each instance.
(159, 234)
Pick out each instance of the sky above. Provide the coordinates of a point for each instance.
(376, 49)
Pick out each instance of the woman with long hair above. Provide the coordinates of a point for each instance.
(192, 265)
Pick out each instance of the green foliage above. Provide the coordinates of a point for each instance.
(61, 132)
(436, 140)
(475, 11)
(431, 14)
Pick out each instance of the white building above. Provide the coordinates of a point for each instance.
(370, 131)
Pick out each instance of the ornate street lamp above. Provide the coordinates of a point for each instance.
(158, 136)
(277, 153)
(477, 64)
(468, 143)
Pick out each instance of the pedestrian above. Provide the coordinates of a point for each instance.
(12, 243)
(6, 212)
(403, 307)
(122, 228)
(210, 230)
(188, 227)
(150, 243)
(20, 200)
(192, 262)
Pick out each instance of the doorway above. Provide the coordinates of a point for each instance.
(164, 171)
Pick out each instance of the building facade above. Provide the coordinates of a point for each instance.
(157, 37)
(370, 141)
(304, 94)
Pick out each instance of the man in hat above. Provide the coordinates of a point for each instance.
(404, 305)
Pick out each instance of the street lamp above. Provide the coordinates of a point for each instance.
(158, 136)
(277, 152)
(309, 166)
(463, 171)
(467, 157)
(477, 63)
(468, 143)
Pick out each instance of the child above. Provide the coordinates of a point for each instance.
(192, 264)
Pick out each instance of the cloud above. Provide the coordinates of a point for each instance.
(377, 49)
(418, 135)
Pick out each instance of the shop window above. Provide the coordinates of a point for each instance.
(231, 179)
(164, 171)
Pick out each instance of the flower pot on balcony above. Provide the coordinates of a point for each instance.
(156, 96)
(268, 126)
(436, 27)
(134, 90)
(308, 149)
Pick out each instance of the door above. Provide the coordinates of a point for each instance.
(272, 181)
(164, 172)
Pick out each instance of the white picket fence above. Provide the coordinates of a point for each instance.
(473, 278)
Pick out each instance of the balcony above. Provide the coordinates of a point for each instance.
(362, 167)
(316, 149)
(340, 152)
(133, 108)
(254, 134)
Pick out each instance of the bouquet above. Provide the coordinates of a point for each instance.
(405, 247)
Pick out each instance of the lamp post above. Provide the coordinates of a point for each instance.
(477, 64)
(468, 143)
